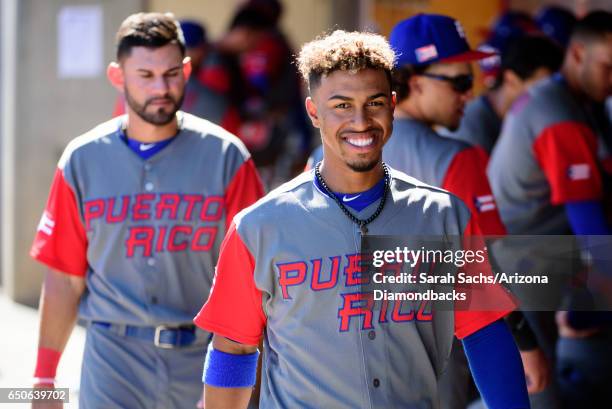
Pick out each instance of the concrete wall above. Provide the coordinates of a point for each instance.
(49, 112)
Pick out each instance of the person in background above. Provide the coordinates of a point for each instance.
(275, 128)
(547, 176)
(557, 23)
(210, 90)
(508, 27)
(433, 80)
(526, 61)
(132, 229)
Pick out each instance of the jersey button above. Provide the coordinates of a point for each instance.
(372, 335)
(151, 262)
(376, 383)
(148, 166)
(148, 186)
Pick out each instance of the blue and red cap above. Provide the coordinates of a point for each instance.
(194, 33)
(431, 38)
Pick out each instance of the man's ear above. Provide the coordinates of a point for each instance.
(311, 108)
(512, 79)
(187, 68)
(115, 76)
(414, 84)
(393, 100)
(576, 51)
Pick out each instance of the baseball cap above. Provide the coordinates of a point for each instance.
(431, 38)
(194, 33)
(509, 26)
(557, 23)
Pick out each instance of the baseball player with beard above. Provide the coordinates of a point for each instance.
(132, 228)
(289, 268)
(433, 82)
(550, 172)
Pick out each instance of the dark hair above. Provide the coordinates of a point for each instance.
(594, 26)
(151, 30)
(252, 17)
(400, 77)
(273, 9)
(346, 51)
(527, 54)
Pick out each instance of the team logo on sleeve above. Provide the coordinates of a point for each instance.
(579, 171)
(46, 224)
(484, 203)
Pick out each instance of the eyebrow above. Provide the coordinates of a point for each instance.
(178, 67)
(343, 98)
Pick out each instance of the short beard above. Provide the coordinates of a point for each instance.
(160, 117)
(363, 167)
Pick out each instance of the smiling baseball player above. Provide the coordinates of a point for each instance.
(289, 268)
(132, 228)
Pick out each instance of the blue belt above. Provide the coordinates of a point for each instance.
(162, 336)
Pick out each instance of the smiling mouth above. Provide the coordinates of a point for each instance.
(360, 142)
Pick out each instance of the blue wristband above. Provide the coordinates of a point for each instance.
(225, 370)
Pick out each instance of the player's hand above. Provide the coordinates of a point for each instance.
(537, 370)
(46, 405)
(567, 331)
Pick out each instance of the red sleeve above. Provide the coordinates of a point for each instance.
(60, 240)
(231, 120)
(244, 190)
(466, 178)
(265, 59)
(234, 308)
(486, 302)
(215, 77)
(567, 153)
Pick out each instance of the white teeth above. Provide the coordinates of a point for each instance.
(360, 141)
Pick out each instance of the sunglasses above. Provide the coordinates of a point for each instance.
(460, 83)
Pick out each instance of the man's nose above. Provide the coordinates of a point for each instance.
(361, 119)
(160, 85)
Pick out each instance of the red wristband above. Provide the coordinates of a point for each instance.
(46, 363)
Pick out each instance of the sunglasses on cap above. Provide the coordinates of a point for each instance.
(460, 83)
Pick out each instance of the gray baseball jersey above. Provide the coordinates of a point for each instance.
(480, 125)
(547, 155)
(145, 233)
(414, 148)
(290, 264)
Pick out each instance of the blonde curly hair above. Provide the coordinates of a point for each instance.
(342, 50)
